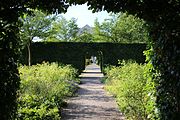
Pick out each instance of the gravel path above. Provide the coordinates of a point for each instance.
(92, 102)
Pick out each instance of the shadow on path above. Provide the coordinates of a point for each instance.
(92, 102)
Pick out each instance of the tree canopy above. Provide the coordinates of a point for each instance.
(64, 30)
(121, 28)
(150, 10)
(38, 25)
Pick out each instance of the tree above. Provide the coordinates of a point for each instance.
(103, 32)
(121, 28)
(85, 37)
(85, 34)
(38, 24)
(64, 30)
(129, 29)
(96, 31)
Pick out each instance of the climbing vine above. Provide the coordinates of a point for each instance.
(166, 61)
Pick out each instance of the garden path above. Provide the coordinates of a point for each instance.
(92, 102)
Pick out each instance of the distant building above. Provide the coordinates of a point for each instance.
(86, 29)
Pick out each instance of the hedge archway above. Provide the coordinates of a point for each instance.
(74, 53)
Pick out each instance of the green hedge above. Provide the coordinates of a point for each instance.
(75, 53)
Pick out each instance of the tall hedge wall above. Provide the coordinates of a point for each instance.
(74, 53)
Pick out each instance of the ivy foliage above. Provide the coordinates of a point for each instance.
(10, 11)
(9, 77)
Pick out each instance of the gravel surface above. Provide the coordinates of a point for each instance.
(92, 102)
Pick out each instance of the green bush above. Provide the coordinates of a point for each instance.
(134, 90)
(43, 90)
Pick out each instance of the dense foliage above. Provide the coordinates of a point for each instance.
(163, 15)
(43, 90)
(121, 28)
(63, 30)
(134, 90)
(86, 36)
(9, 77)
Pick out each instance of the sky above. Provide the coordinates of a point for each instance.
(84, 16)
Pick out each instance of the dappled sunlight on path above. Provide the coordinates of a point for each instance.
(92, 102)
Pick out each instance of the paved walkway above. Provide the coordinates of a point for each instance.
(92, 102)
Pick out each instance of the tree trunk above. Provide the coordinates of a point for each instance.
(29, 52)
